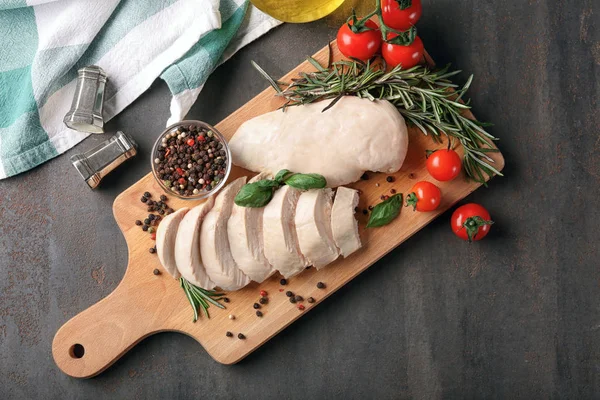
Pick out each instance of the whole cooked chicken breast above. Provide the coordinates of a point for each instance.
(354, 136)
(214, 242)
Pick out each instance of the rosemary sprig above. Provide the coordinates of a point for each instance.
(426, 98)
(200, 298)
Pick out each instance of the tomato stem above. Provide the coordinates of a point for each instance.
(411, 200)
(472, 225)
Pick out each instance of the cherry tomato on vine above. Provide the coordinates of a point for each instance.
(401, 14)
(362, 45)
(407, 55)
(424, 196)
(471, 222)
(444, 165)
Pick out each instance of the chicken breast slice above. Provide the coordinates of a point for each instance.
(214, 242)
(353, 136)
(313, 226)
(343, 224)
(166, 233)
(245, 233)
(279, 233)
(187, 246)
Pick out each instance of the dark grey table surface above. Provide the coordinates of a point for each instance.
(514, 316)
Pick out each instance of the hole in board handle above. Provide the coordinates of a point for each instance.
(77, 351)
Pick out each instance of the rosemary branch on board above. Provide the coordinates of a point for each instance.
(426, 98)
(200, 298)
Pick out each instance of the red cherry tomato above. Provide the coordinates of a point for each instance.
(408, 56)
(401, 19)
(444, 165)
(424, 196)
(361, 45)
(471, 222)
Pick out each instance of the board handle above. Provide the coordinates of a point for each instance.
(94, 339)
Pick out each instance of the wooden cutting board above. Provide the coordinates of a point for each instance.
(144, 304)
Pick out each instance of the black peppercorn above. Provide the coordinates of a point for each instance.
(143, 199)
(292, 299)
(147, 194)
(263, 300)
(283, 282)
(390, 179)
(321, 285)
(228, 334)
(256, 306)
(151, 217)
(156, 271)
(152, 250)
(138, 222)
(259, 314)
(241, 336)
(147, 221)
(365, 212)
(163, 197)
(145, 228)
(299, 298)
(310, 300)
(225, 299)
(393, 191)
(289, 294)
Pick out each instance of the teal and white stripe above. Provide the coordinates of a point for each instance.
(44, 43)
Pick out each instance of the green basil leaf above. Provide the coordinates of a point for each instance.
(281, 175)
(386, 211)
(254, 194)
(268, 184)
(306, 181)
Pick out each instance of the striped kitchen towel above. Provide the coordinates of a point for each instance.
(44, 42)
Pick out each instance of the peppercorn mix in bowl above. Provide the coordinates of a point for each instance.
(191, 160)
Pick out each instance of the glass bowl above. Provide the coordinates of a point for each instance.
(158, 146)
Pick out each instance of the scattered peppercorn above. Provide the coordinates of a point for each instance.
(256, 306)
(301, 307)
(411, 176)
(259, 314)
(390, 179)
(147, 194)
(356, 209)
(228, 334)
(163, 197)
(320, 285)
(292, 299)
(152, 250)
(365, 212)
(393, 191)
(364, 177)
(145, 228)
(377, 184)
(384, 197)
(289, 294)
(231, 316)
(153, 236)
(263, 293)
(241, 336)
(147, 221)
(138, 222)
(310, 300)
(143, 199)
(151, 217)
(151, 230)
(370, 208)
(263, 300)
(156, 271)
(299, 298)
(283, 282)
(225, 299)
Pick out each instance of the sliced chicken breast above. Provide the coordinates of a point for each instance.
(343, 224)
(187, 246)
(353, 136)
(245, 232)
(313, 226)
(279, 233)
(166, 233)
(214, 242)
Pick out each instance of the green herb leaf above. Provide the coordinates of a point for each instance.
(199, 298)
(306, 181)
(281, 175)
(386, 211)
(256, 194)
